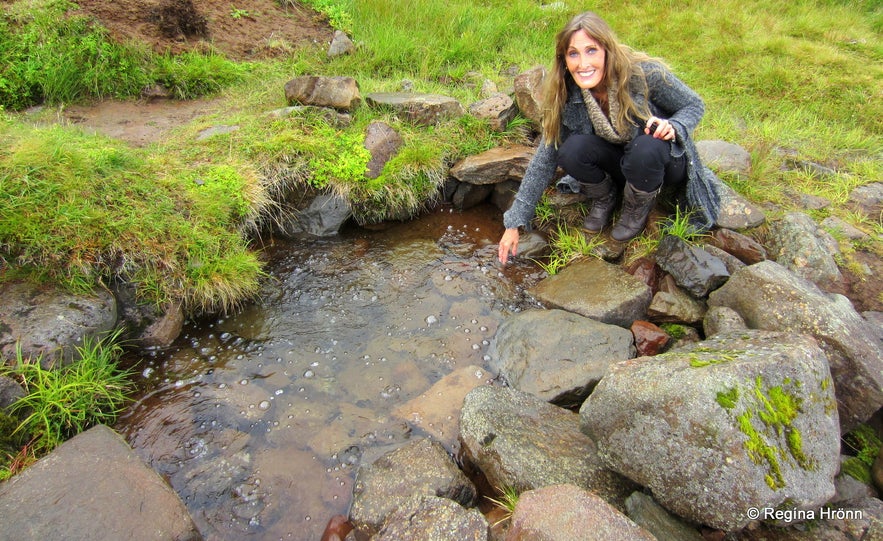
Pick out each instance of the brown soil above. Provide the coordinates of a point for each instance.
(244, 30)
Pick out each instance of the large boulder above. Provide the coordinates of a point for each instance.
(92, 488)
(738, 422)
(769, 296)
(520, 442)
(48, 322)
(557, 355)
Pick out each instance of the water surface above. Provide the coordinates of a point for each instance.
(259, 420)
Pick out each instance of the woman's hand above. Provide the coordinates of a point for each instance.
(508, 244)
(664, 129)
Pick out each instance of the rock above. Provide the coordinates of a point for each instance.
(713, 429)
(748, 250)
(520, 442)
(731, 262)
(528, 90)
(430, 518)
(646, 270)
(725, 157)
(437, 411)
(322, 218)
(504, 193)
(92, 487)
(341, 44)
(797, 243)
(341, 93)
(48, 322)
(671, 304)
(493, 166)
(469, 195)
(722, 319)
(145, 324)
(848, 488)
(421, 109)
(556, 355)
(847, 521)
(867, 199)
(10, 392)
(383, 142)
(844, 228)
(568, 513)
(597, 290)
(769, 296)
(420, 467)
(215, 131)
(737, 212)
(498, 109)
(651, 516)
(649, 339)
(693, 268)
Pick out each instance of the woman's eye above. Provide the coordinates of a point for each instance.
(573, 54)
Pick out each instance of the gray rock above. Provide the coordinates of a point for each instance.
(341, 44)
(731, 262)
(528, 90)
(93, 487)
(214, 131)
(430, 518)
(469, 195)
(10, 392)
(383, 142)
(842, 227)
(849, 488)
(50, 323)
(724, 157)
(557, 355)
(322, 218)
(504, 194)
(671, 304)
(568, 513)
(737, 212)
(498, 109)
(867, 199)
(845, 521)
(493, 166)
(651, 516)
(341, 93)
(421, 109)
(693, 268)
(520, 442)
(597, 290)
(797, 243)
(769, 296)
(420, 467)
(713, 429)
(722, 319)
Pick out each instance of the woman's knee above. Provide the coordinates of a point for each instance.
(647, 152)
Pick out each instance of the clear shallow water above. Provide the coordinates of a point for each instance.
(259, 420)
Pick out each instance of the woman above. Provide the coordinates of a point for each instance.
(615, 121)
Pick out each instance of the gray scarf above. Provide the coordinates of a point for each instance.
(603, 128)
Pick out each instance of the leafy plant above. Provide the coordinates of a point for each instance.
(62, 402)
(569, 244)
(238, 13)
(507, 501)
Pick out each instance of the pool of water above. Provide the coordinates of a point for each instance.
(259, 420)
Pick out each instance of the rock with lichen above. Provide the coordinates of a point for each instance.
(741, 421)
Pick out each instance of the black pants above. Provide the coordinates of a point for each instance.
(645, 162)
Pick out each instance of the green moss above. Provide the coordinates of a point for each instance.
(857, 469)
(766, 420)
(674, 330)
(728, 399)
(705, 356)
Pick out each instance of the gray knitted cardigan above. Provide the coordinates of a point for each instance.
(671, 99)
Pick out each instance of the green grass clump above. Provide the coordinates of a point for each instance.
(61, 402)
(569, 244)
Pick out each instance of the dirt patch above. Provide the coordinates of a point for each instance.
(244, 30)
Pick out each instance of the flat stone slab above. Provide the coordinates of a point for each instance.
(93, 488)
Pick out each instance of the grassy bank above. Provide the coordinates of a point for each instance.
(177, 219)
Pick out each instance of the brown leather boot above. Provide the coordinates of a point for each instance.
(636, 206)
(603, 200)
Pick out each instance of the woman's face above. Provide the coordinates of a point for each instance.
(585, 60)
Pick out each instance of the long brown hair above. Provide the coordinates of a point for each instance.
(621, 66)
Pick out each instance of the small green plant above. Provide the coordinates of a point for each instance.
(62, 402)
(679, 225)
(238, 13)
(346, 162)
(507, 501)
(569, 244)
(865, 443)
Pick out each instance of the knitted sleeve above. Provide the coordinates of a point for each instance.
(536, 179)
(671, 98)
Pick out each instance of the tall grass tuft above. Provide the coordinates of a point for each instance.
(63, 401)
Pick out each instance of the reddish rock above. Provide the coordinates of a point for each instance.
(647, 271)
(748, 250)
(649, 338)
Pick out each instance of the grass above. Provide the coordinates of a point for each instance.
(507, 501)
(182, 218)
(63, 401)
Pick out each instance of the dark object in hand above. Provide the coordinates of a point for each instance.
(653, 127)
